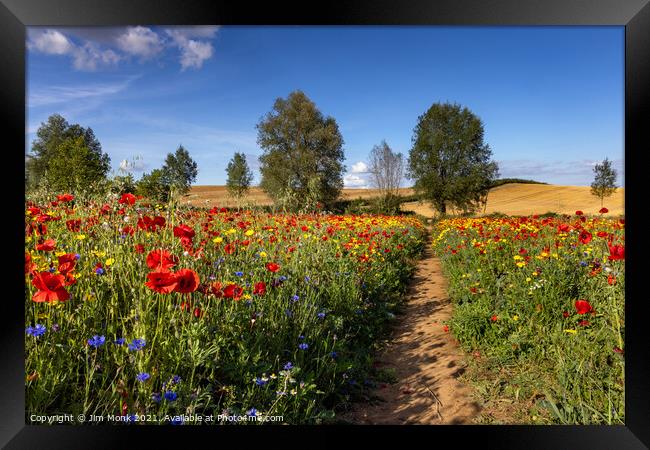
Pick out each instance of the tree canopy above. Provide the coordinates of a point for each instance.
(179, 170)
(66, 156)
(604, 183)
(386, 169)
(239, 175)
(449, 162)
(303, 152)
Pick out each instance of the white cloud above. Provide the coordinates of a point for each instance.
(51, 42)
(355, 181)
(140, 41)
(94, 49)
(193, 52)
(90, 57)
(359, 167)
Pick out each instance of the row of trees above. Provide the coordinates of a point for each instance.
(302, 161)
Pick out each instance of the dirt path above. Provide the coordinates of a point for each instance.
(425, 359)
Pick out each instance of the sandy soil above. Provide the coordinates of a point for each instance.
(515, 199)
(425, 359)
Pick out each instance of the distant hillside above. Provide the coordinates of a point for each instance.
(503, 181)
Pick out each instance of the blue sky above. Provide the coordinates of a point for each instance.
(551, 98)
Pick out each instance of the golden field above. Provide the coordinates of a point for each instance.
(511, 199)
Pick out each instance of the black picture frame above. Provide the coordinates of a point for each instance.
(634, 15)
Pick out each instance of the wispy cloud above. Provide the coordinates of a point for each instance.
(578, 172)
(49, 95)
(359, 167)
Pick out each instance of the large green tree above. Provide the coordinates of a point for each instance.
(449, 162)
(604, 183)
(179, 171)
(239, 176)
(57, 144)
(303, 153)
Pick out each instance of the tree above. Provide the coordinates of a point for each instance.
(303, 153)
(153, 186)
(179, 171)
(239, 176)
(56, 139)
(386, 169)
(604, 183)
(449, 161)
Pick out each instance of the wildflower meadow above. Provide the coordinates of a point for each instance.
(140, 310)
(539, 303)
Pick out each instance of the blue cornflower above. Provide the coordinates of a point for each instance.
(137, 344)
(132, 417)
(143, 376)
(301, 337)
(320, 315)
(156, 397)
(176, 379)
(307, 279)
(295, 298)
(288, 312)
(99, 271)
(288, 366)
(583, 264)
(119, 341)
(96, 341)
(239, 274)
(36, 331)
(51, 270)
(171, 396)
(251, 412)
(333, 355)
(303, 346)
(283, 278)
(77, 256)
(260, 382)
(359, 311)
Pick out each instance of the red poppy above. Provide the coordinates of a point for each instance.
(29, 265)
(50, 288)
(565, 314)
(273, 267)
(67, 263)
(233, 291)
(161, 260)
(73, 225)
(616, 252)
(583, 323)
(184, 231)
(139, 248)
(162, 282)
(445, 328)
(197, 312)
(187, 281)
(611, 280)
(215, 288)
(583, 307)
(579, 213)
(601, 234)
(47, 246)
(603, 210)
(585, 237)
(127, 198)
(65, 198)
(494, 318)
(260, 288)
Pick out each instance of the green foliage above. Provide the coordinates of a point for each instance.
(239, 176)
(449, 161)
(154, 186)
(65, 157)
(303, 152)
(122, 184)
(604, 183)
(179, 171)
(502, 181)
